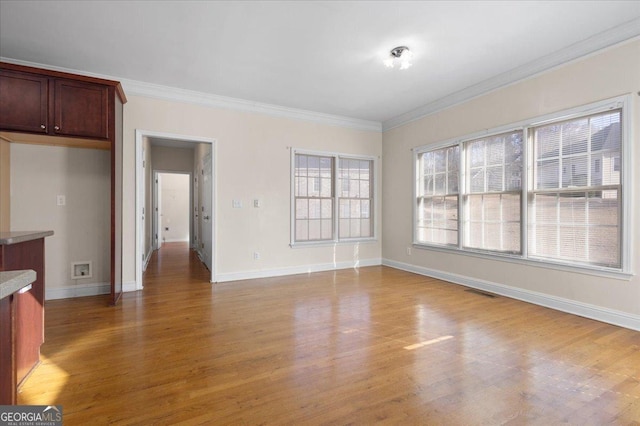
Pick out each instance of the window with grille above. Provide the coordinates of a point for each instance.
(575, 204)
(313, 193)
(355, 198)
(494, 190)
(332, 198)
(550, 192)
(437, 196)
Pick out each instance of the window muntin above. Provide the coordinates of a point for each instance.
(332, 198)
(573, 198)
(575, 206)
(437, 196)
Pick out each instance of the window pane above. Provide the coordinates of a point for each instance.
(495, 163)
(327, 229)
(575, 135)
(314, 230)
(302, 230)
(301, 186)
(547, 174)
(477, 180)
(302, 208)
(437, 220)
(575, 172)
(576, 226)
(494, 222)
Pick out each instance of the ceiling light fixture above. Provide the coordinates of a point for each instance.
(399, 55)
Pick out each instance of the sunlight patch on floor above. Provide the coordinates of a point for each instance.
(57, 378)
(427, 342)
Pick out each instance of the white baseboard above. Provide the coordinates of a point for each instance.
(622, 319)
(267, 273)
(176, 240)
(80, 290)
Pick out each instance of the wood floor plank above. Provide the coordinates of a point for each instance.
(357, 346)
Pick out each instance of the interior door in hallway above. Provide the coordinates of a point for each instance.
(206, 211)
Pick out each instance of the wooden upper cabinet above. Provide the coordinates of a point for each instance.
(24, 102)
(81, 109)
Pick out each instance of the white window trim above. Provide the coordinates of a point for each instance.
(625, 272)
(336, 240)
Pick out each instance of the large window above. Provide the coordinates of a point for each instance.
(332, 198)
(550, 192)
(575, 203)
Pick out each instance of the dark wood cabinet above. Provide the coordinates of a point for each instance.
(24, 104)
(7, 362)
(81, 109)
(53, 106)
(27, 252)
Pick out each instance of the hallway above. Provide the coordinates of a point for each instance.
(172, 267)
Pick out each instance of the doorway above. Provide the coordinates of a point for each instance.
(172, 201)
(202, 198)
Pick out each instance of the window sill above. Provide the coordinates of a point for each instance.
(586, 270)
(333, 243)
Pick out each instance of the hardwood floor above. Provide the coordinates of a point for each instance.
(346, 347)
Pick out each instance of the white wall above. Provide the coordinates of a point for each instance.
(252, 160)
(172, 159)
(81, 227)
(175, 207)
(608, 74)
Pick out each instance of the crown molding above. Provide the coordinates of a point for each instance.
(150, 90)
(579, 50)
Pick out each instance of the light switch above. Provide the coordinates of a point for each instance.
(256, 203)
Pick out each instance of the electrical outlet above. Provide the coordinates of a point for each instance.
(408, 251)
(61, 200)
(256, 255)
(237, 204)
(256, 203)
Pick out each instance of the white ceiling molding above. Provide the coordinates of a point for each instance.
(150, 90)
(140, 88)
(606, 39)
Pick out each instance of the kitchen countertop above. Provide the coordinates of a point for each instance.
(14, 237)
(12, 281)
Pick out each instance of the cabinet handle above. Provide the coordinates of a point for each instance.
(42, 126)
(56, 127)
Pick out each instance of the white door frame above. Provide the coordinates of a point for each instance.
(140, 135)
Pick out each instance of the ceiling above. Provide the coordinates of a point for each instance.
(324, 57)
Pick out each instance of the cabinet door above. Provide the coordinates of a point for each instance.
(81, 109)
(23, 102)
